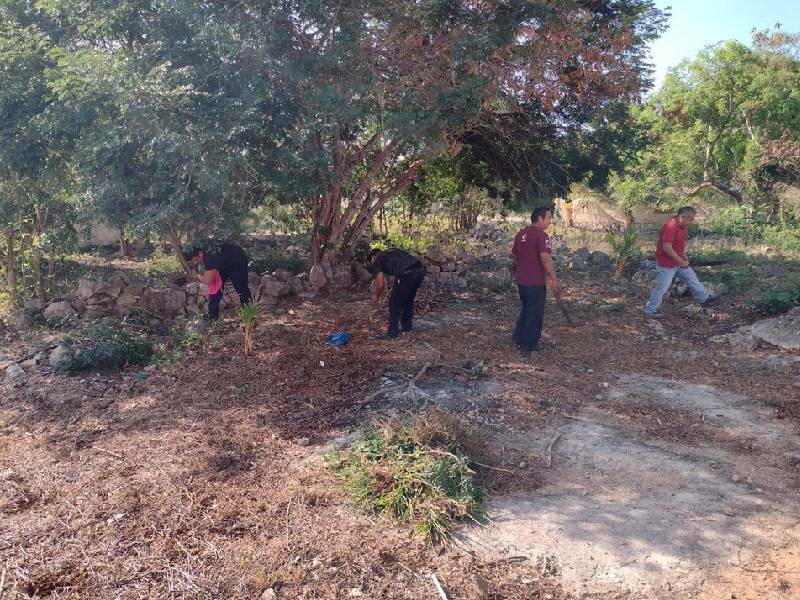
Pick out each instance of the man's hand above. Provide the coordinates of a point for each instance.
(684, 262)
(553, 282)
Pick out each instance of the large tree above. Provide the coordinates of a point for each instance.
(716, 121)
(366, 92)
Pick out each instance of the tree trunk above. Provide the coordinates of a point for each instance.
(175, 243)
(51, 267)
(11, 277)
(125, 249)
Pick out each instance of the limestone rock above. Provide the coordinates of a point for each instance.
(14, 372)
(317, 276)
(19, 320)
(782, 364)
(33, 306)
(435, 255)
(87, 288)
(362, 274)
(165, 301)
(296, 283)
(271, 286)
(61, 356)
(116, 285)
(782, 331)
(59, 310)
(743, 340)
(449, 267)
(126, 302)
(96, 311)
(342, 277)
(601, 259)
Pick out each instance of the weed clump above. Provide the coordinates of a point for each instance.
(778, 300)
(416, 471)
(105, 346)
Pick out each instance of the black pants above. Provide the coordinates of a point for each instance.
(531, 316)
(401, 301)
(239, 278)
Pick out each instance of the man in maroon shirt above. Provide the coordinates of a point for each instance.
(534, 266)
(671, 261)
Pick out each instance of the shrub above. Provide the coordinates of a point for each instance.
(413, 471)
(416, 245)
(273, 260)
(105, 346)
(777, 300)
(624, 249)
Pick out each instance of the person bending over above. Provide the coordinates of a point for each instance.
(225, 261)
(408, 272)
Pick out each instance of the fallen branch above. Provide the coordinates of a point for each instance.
(2, 584)
(114, 454)
(548, 461)
(439, 587)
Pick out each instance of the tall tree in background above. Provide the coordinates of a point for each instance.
(715, 124)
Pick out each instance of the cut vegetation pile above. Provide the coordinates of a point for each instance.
(414, 470)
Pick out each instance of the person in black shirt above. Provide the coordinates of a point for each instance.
(230, 261)
(408, 272)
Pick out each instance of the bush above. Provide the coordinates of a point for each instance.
(274, 260)
(742, 222)
(777, 300)
(415, 245)
(105, 346)
(413, 471)
(624, 249)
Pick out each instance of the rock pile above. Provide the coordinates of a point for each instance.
(782, 331)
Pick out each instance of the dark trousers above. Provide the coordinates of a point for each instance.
(239, 278)
(401, 301)
(531, 316)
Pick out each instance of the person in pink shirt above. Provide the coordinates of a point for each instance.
(671, 261)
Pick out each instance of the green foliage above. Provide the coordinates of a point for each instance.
(267, 262)
(743, 222)
(413, 471)
(416, 244)
(105, 346)
(780, 299)
(161, 262)
(624, 249)
(247, 313)
(185, 341)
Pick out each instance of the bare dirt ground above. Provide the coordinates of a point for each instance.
(631, 459)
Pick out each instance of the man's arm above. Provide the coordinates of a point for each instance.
(550, 269)
(670, 251)
(380, 286)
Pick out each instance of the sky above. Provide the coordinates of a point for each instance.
(695, 24)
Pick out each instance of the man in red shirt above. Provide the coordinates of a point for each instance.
(671, 261)
(534, 266)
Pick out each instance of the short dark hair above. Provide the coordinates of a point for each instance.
(191, 252)
(686, 210)
(540, 211)
(372, 253)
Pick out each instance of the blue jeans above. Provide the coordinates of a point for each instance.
(664, 277)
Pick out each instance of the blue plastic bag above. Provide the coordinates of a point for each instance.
(339, 339)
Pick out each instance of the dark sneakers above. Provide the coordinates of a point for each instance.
(386, 336)
(710, 301)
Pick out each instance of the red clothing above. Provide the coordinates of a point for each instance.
(529, 245)
(673, 233)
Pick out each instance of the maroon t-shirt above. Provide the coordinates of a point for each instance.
(673, 233)
(529, 245)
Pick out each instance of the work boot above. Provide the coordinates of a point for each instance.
(386, 336)
(655, 315)
(710, 301)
